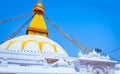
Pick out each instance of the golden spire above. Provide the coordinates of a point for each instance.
(38, 25)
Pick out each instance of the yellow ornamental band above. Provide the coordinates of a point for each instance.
(40, 44)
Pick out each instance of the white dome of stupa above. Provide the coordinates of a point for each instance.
(33, 44)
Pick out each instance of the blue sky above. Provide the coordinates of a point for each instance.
(94, 23)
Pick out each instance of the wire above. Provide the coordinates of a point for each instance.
(109, 52)
(14, 18)
(18, 30)
(67, 36)
(112, 51)
(115, 59)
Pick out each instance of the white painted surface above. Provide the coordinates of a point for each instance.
(34, 59)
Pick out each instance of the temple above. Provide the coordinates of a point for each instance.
(36, 53)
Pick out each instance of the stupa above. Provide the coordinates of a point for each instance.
(36, 53)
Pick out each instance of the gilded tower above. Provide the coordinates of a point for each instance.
(38, 25)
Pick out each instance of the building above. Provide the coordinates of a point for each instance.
(35, 53)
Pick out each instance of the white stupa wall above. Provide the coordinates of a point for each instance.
(93, 63)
